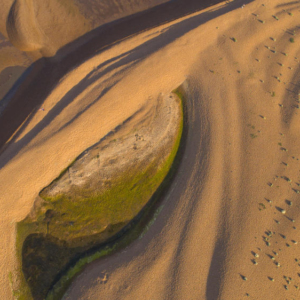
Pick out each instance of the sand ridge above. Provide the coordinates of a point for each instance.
(32, 29)
(224, 206)
(143, 140)
(205, 242)
(36, 152)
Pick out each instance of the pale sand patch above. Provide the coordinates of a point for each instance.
(132, 143)
(202, 240)
(43, 27)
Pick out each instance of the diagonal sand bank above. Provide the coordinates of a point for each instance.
(223, 209)
(73, 110)
(234, 177)
(31, 161)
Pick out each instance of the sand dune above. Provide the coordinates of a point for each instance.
(32, 29)
(31, 26)
(211, 227)
(222, 233)
(22, 27)
(106, 11)
(43, 27)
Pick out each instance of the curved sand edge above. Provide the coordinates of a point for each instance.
(202, 243)
(140, 224)
(39, 28)
(132, 160)
(139, 142)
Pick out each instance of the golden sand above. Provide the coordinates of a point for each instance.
(239, 70)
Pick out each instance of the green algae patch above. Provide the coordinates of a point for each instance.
(65, 232)
(78, 217)
(137, 228)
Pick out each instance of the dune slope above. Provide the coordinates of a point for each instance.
(105, 11)
(22, 27)
(229, 226)
(223, 233)
(31, 29)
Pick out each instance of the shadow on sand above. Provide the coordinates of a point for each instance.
(46, 72)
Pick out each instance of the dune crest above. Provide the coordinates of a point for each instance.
(105, 11)
(229, 225)
(22, 27)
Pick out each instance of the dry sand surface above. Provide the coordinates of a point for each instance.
(42, 27)
(100, 12)
(229, 227)
(32, 29)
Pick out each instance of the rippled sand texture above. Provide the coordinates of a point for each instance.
(221, 233)
(45, 26)
(31, 29)
(205, 242)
